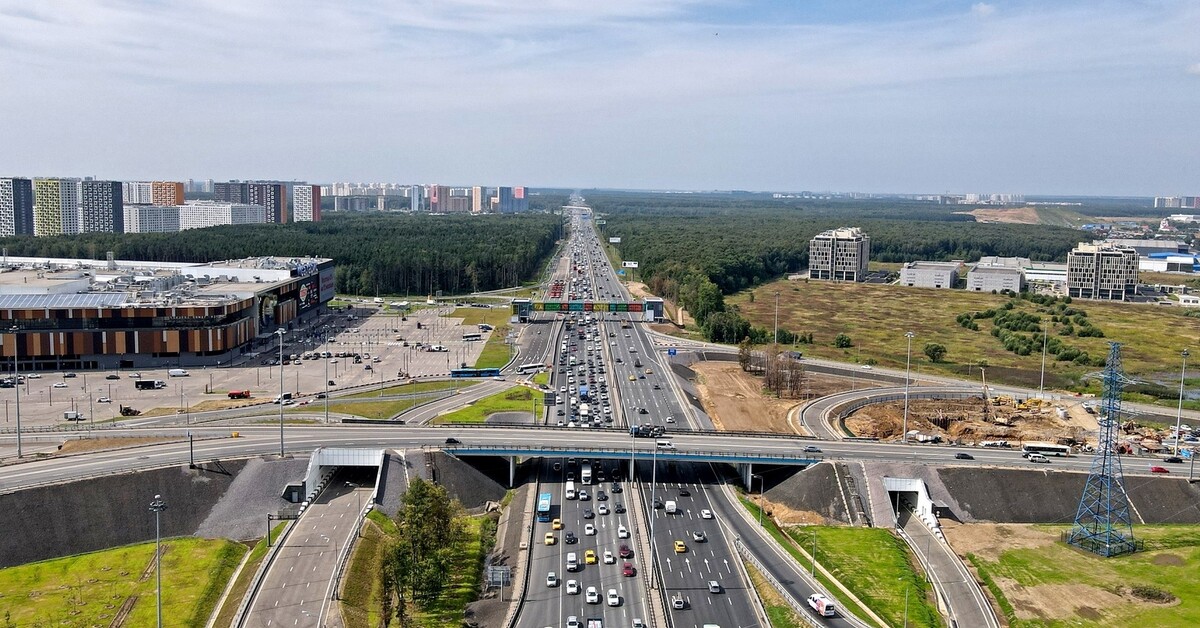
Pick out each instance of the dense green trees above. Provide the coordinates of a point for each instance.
(375, 254)
(416, 568)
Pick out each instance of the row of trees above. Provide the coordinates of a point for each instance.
(416, 567)
(375, 254)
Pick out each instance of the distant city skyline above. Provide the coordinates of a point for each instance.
(1068, 98)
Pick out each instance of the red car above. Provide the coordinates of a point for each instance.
(625, 552)
(1157, 469)
(628, 571)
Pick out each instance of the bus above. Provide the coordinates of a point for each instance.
(570, 489)
(472, 337)
(525, 369)
(543, 508)
(1046, 449)
(585, 473)
(467, 372)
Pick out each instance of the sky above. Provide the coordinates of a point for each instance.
(918, 96)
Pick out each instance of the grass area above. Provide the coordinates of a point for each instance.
(242, 584)
(542, 378)
(877, 567)
(495, 352)
(466, 566)
(380, 410)
(89, 589)
(515, 399)
(876, 317)
(362, 586)
(1054, 585)
(779, 612)
(411, 389)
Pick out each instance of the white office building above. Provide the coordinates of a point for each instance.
(1102, 271)
(839, 255)
(200, 214)
(996, 274)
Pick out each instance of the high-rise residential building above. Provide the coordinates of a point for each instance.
(520, 199)
(839, 255)
(504, 200)
(439, 199)
(478, 196)
(137, 192)
(163, 193)
(1102, 271)
(272, 197)
(101, 209)
(16, 207)
(415, 194)
(232, 192)
(306, 203)
(55, 206)
(199, 214)
(151, 219)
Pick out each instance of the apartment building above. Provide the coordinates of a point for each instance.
(839, 255)
(101, 209)
(16, 206)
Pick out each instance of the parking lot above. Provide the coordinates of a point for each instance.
(377, 335)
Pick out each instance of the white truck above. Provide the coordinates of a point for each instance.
(822, 605)
(671, 507)
(177, 373)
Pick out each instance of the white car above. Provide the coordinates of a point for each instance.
(706, 514)
(592, 596)
(60, 384)
(551, 579)
(609, 558)
(589, 530)
(572, 587)
(622, 532)
(572, 622)
(104, 400)
(602, 509)
(39, 375)
(613, 598)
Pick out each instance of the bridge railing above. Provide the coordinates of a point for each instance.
(673, 454)
(619, 430)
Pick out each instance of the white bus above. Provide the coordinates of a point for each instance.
(530, 368)
(1046, 449)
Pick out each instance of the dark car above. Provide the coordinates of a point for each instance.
(658, 503)
(1173, 459)
(683, 492)
(453, 441)
(962, 455)
(619, 508)
(625, 552)
(112, 376)
(601, 496)
(642, 411)
(812, 449)
(588, 514)
(616, 488)
(569, 538)
(69, 375)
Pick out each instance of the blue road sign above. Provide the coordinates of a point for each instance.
(621, 272)
(671, 351)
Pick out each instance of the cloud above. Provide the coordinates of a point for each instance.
(1194, 69)
(983, 9)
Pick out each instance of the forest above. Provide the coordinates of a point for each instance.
(696, 249)
(375, 254)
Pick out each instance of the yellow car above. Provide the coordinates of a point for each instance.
(680, 547)
(550, 540)
(589, 557)
(632, 378)
(649, 371)
(556, 524)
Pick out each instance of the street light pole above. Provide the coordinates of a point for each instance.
(17, 384)
(280, 332)
(1179, 412)
(326, 359)
(776, 317)
(761, 490)
(157, 506)
(1042, 381)
(908, 335)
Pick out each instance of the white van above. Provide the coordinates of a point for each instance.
(664, 444)
(177, 373)
(572, 562)
(1036, 457)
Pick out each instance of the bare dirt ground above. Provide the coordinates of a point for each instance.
(672, 311)
(734, 399)
(963, 420)
(1041, 602)
(1015, 215)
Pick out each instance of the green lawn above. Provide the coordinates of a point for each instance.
(1055, 585)
(876, 317)
(89, 589)
(542, 378)
(465, 574)
(380, 410)
(413, 388)
(779, 612)
(238, 590)
(515, 399)
(362, 587)
(495, 352)
(876, 565)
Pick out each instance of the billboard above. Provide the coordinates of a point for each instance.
(629, 264)
(309, 294)
(614, 240)
(327, 284)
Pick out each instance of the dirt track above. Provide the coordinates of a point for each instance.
(734, 398)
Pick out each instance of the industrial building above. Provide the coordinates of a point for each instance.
(839, 255)
(88, 314)
(997, 274)
(930, 274)
(1102, 271)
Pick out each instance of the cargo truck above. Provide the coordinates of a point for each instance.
(239, 394)
(149, 384)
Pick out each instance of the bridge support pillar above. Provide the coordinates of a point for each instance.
(512, 470)
(746, 469)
